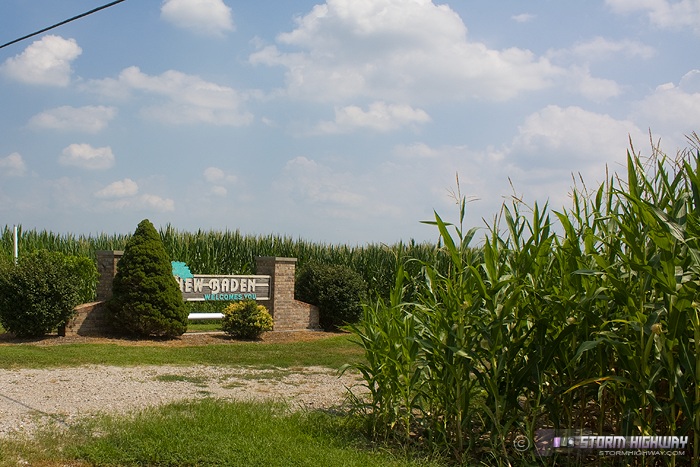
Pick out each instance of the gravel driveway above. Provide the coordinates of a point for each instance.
(30, 398)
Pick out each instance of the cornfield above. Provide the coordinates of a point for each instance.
(231, 252)
(586, 319)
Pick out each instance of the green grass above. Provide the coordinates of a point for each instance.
(330, 352)
(209, 433)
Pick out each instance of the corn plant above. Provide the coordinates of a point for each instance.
(584, 318)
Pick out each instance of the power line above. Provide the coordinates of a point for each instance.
(62, 23)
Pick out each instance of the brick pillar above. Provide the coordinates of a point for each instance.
(91, 319)
(281, 272)
(107, 268)
(289, 314)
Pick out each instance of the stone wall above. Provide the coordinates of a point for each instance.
(91, 318)
(289, 314)
(107, 268)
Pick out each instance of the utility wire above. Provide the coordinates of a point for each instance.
(62, 23)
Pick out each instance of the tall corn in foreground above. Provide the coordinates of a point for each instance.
(587, 318)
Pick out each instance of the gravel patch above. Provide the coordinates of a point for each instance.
(30, 398)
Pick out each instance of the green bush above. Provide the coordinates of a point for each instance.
(146, 298)
(39, 294)
(84, 274)
(246, 319)
(336, 290)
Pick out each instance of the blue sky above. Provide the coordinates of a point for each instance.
(340, 122)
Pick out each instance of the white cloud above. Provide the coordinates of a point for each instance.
(46, 62)
(595, 89)
(12, 165)
(600, 48)
(119, 189)
(523, 17)
(674, 108)
(571, 139)
(666, 14)
(217, 178)
(219, 190)
(577, 77)
(415, 151)
(690, 82)
(187, 98)
(88, 119)
(125, 195)
(205, 17)
(87, 157)
(145, 202)
(379, 117)
(316, 183)
(217, 175)
(157, 203)
(401, 51)
(552, 146)
(395, 194)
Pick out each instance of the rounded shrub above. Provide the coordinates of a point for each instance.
(336, 290)
(39, 293)
(146, 298)
(246, 319)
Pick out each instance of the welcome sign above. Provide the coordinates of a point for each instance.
(200, 287)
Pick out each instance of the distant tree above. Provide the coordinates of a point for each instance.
(146, 298)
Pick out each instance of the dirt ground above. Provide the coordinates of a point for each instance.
(187, 339)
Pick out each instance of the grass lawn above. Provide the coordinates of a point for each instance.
(330, 352)
(209, 433)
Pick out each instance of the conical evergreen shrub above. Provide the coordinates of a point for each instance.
(146, 298)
